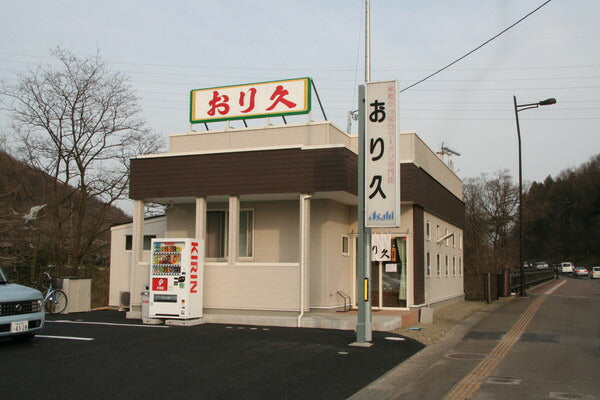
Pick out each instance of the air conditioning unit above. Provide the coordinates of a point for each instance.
(124, 300)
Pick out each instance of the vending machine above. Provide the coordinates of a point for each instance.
(176, 278)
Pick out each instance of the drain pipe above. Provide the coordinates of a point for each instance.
(303, 198)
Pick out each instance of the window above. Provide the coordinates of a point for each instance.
(147, 241)
(345, 245)
(460, 241)
(246, 229)
(217, 233)
(459, 265)
(446, 265)
(453, 241)
(453, 265)
(437, 232)
(428, 264)
(427, 230)
(439, 271)
(447, 238)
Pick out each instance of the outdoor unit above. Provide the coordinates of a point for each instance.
(124, 300)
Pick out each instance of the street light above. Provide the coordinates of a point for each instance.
(518, 108)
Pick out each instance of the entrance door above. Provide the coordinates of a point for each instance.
(389, 278)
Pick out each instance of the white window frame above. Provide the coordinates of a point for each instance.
(346, 241)
(428, 264)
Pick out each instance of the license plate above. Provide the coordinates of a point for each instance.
(19, 326)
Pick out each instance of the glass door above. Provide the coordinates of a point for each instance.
(393, 276)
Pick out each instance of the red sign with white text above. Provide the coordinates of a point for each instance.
(159, 284)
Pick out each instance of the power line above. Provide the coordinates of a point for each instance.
(475, 49)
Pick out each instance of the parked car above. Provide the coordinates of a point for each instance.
(540, 265)
(21, 310)
(581, 271)
(595, 273)
(566, 267)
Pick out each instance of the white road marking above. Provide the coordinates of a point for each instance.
(65, 321)
(85, 339)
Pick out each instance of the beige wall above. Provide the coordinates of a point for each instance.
(443, 286)
(312, 134)
(330, 269)
(120, 259)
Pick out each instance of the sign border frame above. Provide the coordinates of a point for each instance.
(307, 95)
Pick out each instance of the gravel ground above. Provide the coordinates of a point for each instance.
(444, 319)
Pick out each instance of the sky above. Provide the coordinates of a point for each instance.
(170, 48)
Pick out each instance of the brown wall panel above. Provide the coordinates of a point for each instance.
(279, 171)
(418, 255)
(252, 172)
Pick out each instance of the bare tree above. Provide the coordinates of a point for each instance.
(79, 123)
(491, 216)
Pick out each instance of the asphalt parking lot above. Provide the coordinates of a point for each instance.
(100, 355)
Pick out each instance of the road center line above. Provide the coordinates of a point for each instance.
(473, 381)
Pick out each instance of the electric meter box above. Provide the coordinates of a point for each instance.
(176, 278)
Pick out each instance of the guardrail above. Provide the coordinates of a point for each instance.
(532, 277)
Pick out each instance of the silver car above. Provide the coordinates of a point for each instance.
(21, 310)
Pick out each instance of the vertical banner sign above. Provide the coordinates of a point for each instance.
(382, 160)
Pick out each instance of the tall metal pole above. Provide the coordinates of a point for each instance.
(367, 41)
(364, 334)
(521, 266)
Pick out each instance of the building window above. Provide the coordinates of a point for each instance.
(428, 264)
(453, 265)
(147, 241)
(447, 238)
(460, 266)
(345, 245)
(427, 230)
(437, 233)
(216, 234)
(246, 233)
(446, 265)
(439, 270)
(453, 241)
(460, 241)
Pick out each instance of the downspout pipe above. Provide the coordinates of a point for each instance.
(303, 199)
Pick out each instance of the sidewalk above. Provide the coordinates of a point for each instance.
(434, 371)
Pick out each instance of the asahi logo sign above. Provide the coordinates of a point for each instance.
(382, 161)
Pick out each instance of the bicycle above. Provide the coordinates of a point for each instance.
(55, 300)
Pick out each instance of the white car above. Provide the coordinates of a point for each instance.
(566, 267)
(21, 310)
(595, 273)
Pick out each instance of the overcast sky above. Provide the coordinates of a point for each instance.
(169, 48)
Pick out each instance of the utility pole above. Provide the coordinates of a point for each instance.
(364, 334)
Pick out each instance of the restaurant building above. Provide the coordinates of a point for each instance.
(277, 209)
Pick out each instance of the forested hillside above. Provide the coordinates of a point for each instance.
(562, 217)
(36, 223)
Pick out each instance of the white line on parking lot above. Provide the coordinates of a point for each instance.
(65, 321)
(85, 339)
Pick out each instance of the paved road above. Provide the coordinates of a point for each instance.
(78, 360)
(546, 346)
